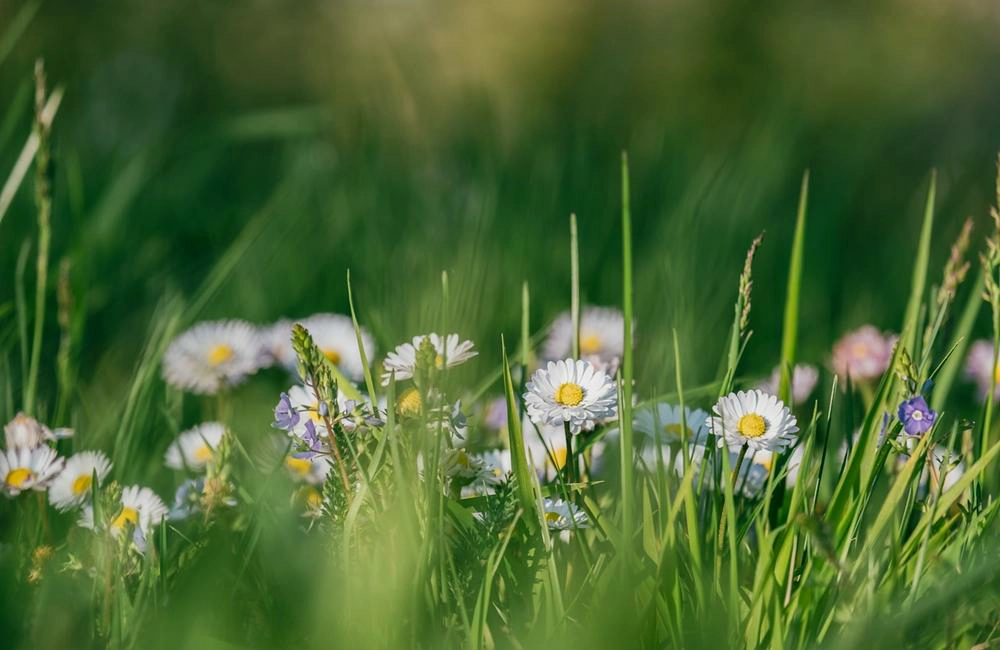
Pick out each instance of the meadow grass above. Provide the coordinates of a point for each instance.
(857, 534)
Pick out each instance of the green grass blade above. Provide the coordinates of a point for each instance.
(789, 335)
(625, 405)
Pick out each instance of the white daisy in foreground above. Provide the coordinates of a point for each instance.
(602, 336)
(804, 379)
(560, 515)
(28, 469)
(141, 510)
(71, 488)
(25, 432)
(570, 391)
(753, 418)
(193, 448)
(450, 352)
(213, 355)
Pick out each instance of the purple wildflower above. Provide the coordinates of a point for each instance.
(916, 416)
(285, 415)
(310, 437)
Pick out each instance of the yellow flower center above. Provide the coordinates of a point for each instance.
(18, 477)
(127, 515)
(439, 362)
(559, 455)
(332, 355)
(764, 462)
(219, 354)
(552, 517)
(751, 425)
(409, 403)
(300, 466)
(203, 454)
(309, 498)
(569, 394)
(590, 344)
(462, 460)
(82, 484)
(676, 430)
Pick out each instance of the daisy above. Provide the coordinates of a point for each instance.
(863, 354)
(334, 335)
(804, 379)
(403, 360)
(459, 463)
(308, 468)
(300, 413)
(663, 420)
(213, 355)
(753, 418)
(276, 344)
(141, 510)
(193, 449)
(979, 369)
(309, 500)
(570, 391)
(28, 469)
(25, 432)
(602, 337)
(560, 515)
(72, 487)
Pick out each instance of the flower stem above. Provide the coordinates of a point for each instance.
(735, 476)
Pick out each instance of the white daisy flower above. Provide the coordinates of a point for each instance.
(804, 379)
(25, 432)
(28, 469)
(302, 400)
(570, 391)
(754, 418)
(334, 335)
(309, 500)
(602, 337)
(72, 487)
(213, 355)
(560, 515)
(141, 510)
(193, 448)
(459, 463)
(312, 469)
(451, 351)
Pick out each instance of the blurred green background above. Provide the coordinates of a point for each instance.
(400, 138)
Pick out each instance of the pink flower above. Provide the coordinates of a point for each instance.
(864, 354)
(804, 378)
(979, 368)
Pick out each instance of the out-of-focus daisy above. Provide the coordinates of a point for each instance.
(450, 352)
(73, 485)
(28, 469)
(663, 421)
(141, 510)
(334, 335)
(308, 468)
(309, 500)
(459, 463)
(276, 343)
(495, 418)
(979, 369)
(546, 450)
(602, 337)
(213, 355)
(193, 448)
(570, 391)
(804, 379)
(753, 418)
(560, 515)
(863, 354)
(916, 416)
(25, 432)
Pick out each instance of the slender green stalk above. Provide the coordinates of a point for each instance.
(625, 404)
(574, 265)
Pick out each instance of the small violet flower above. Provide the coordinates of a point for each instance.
(285, 415)
(916, 416)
